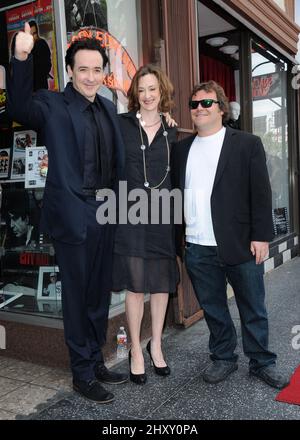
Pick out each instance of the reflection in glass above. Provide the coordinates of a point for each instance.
(270, 118)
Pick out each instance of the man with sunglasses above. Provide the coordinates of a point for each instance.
(228, 224)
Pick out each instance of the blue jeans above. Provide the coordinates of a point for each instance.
(209, 275)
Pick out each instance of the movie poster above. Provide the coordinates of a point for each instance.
(4, 162)
(44, 52)
(113, 23)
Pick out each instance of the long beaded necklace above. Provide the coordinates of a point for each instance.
(143, 148)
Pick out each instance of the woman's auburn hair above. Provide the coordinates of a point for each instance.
(165, 87)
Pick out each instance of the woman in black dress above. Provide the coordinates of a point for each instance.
(144, 255)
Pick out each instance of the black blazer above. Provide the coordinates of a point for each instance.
(241, 203)
(62, 128)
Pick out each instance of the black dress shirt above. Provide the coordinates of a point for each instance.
(99, 156)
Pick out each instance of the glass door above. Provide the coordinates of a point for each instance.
(269, 105)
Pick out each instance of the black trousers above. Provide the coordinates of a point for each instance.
(86, 284)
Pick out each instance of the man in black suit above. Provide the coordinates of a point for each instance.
(228, 224)
(86, 153)
(41, 59)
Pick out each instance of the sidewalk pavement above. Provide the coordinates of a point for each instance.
(33, 392)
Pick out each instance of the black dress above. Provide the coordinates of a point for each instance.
(144, 254)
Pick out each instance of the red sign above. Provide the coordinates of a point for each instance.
(266, 86)
(34, 259)
(27, 12)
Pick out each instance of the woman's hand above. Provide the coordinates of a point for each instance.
(169, 120)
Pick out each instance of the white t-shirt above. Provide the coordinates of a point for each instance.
(199, 179)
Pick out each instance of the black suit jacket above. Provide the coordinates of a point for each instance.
(62, 128)
(241, 203)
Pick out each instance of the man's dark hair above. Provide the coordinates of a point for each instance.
(16, 203)
(212, 86)
(81, 44)
(34, 23)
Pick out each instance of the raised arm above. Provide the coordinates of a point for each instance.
(24, 44)
(21, 105)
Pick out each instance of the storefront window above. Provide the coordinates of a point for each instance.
(270, 123)
(219, 56)
(114, 23)
(30, 279)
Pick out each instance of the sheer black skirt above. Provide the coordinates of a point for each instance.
(145, 275)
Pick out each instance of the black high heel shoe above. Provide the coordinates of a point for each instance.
(161, 371)
(139, 379)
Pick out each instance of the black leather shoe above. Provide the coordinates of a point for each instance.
(139, 379)
(106, 376)
(271, 376)
(219, 370)
(92, 390)
(161, 371)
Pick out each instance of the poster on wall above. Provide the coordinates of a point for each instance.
(20, 215)
(113, 23)
(21, 140)
(4, 162)
(36, 167)
(280, 221)
(39, 14)
(80, 13)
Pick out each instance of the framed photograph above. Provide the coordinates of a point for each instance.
(21, 141)
(49, 284)
(36, 167)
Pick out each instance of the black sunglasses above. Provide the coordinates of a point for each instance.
(205, 103)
